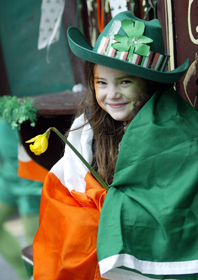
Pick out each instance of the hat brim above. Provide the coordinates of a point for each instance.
(81, 48)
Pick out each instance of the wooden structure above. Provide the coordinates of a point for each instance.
(54, 110)
(180, 26)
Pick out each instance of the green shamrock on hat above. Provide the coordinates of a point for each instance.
(135, 42)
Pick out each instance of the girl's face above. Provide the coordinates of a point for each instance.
(117, 91)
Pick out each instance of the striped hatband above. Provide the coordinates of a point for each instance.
(153, 61)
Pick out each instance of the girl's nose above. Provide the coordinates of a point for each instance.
(113, 92)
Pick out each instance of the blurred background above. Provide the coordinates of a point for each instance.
(13, 225)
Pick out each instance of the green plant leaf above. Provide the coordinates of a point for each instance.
(17, 110)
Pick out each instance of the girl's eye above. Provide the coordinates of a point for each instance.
(100, 83)
(125, 82)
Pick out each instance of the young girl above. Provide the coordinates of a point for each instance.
(141, 137)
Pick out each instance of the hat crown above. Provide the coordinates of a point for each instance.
(141, 55)
(153, 30)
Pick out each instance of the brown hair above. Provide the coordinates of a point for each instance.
(106, 144)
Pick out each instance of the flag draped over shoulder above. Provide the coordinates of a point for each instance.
(148, 226)
(65, 244)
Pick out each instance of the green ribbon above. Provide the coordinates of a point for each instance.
(135, 42)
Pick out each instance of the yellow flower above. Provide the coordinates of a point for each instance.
(40, 143)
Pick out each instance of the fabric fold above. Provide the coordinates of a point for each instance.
(65, 244)
(151, 227)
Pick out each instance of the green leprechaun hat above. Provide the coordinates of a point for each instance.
(131, 45)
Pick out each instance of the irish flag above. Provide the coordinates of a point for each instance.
(71, 202)
(148, 220)
(148, 226)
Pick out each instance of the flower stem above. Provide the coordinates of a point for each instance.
(94, 173)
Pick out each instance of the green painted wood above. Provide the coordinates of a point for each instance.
(27, 70)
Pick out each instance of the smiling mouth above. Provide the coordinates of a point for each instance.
(117, 105)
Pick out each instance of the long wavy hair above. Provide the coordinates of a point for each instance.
(107, 132)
